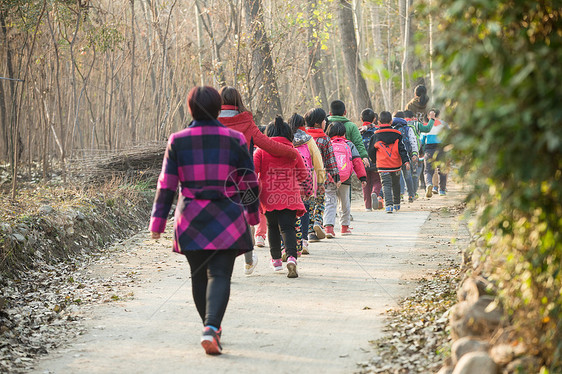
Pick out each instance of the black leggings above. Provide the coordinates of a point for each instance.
(210, 282)
(282, 223)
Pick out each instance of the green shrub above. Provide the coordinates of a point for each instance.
(501, 80)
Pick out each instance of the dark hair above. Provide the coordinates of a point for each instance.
(279, 128)
(421, 92)
(231, 96)
(436, 111)
(368, 115)
(399, 114)
(204, 103)
(336, 129)
(337, 108)
(408, 114)
(314, 116)
(385, 117)
(296, 121)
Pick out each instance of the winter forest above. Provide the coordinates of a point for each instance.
(83, 76)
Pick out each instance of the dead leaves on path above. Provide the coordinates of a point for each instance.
(417, 336)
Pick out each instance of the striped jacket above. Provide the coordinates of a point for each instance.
(219, 189)
(325, 146)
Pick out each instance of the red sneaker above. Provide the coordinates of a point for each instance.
(345, 230)
(210, 340)
(330, 234)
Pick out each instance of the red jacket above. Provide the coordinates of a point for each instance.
(279, 179)
(244, 123)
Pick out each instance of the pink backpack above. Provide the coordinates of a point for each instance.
(342, 151)
(308, 186)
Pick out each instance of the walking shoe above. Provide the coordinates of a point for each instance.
(368, 210)
(417, 196)
(283, 255)
(442, 192)
(381, 204)
(210, 341)
(410, 199)
(305, 247)
(277, 264)
(249, 268)
(429, 191)
(299, 253)
(319, 230)
(260, 241)
(292, 267)
(313, 238)
(396, 208)
(374, 201)
(330, 234)
(435, 191)
(345, 230)
(389, 209)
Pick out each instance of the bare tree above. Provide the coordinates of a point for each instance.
(357, 83)
(267, 98)
(314, 61)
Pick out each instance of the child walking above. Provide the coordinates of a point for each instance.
(348, 160)
(215, 207)
(316, 176)
(372, 190)
(280, 196)
(315, 121)
(387, 151)
(235, 116)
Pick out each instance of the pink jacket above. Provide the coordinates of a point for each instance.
(279, 179)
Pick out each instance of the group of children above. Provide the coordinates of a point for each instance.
(384, 153)
(303, 169)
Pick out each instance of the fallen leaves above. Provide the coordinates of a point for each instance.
(417, 335)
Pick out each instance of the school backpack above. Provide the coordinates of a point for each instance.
(405, 131)
(308, 186)
(388, 155)
(414, 126)
(342, 151)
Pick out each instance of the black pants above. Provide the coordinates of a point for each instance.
(391, 187)
(282, 223)
(210, 282)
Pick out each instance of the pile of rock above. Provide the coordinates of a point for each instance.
(482, 342)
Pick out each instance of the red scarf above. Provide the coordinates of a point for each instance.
(315, 133)
(229, 107)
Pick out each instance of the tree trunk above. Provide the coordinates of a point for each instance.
(431, 73)
(132, 109)
(199, 28)
(316, 73)
(358, 86)
(268, 103)
(377, 40)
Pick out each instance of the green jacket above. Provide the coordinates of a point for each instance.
(351, 133)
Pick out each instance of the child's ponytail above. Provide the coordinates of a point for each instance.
(279, 128)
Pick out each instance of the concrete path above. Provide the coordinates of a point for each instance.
(321, 322)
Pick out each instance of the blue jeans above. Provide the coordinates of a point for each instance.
(407, 176)
(434, 153)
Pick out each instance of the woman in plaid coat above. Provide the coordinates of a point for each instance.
(217, 203)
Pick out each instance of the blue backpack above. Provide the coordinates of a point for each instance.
(405, 131)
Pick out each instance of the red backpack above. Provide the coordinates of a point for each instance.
(342, 151)
(308, 187)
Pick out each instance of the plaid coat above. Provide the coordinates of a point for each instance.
(219, 189)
